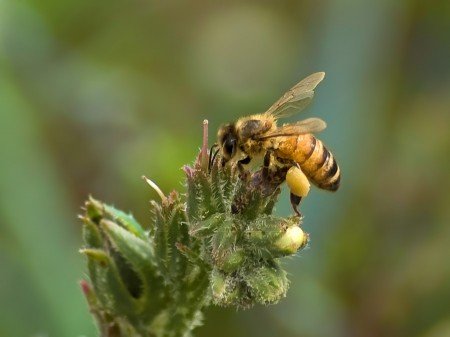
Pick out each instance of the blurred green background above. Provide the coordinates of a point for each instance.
(93, 94)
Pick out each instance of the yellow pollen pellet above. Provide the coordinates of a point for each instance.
(297, 182)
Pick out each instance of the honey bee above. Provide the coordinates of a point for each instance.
(257, 137)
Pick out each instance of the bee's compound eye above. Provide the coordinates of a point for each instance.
(297, 182)
(229, 147)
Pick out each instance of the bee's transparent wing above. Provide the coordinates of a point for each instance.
(309, 125)
(297, 98)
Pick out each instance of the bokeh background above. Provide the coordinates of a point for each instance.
(93, 94)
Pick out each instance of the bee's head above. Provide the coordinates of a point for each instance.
(227, 139)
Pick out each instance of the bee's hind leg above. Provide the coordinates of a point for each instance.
(295, 201)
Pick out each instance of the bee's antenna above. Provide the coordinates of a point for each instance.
(212, 157)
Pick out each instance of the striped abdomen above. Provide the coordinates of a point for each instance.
(315, 160)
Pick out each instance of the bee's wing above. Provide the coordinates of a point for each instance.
(309, 125)
(297, 98)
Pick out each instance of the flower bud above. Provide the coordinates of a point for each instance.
(218, 284)
(225, 290)
(231, 260)
(292, 240)
(267, 284)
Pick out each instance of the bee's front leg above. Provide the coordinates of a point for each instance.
(266, 165)
(240, 165)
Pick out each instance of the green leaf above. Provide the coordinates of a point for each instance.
(138, 254)
(108, 284)
(91, 234)
(126, 220)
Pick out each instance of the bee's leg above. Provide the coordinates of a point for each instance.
(245, 161)
(266, 165)
(212, 156)
(295, 201)
(240, 165)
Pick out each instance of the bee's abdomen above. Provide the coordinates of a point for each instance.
(314, 159)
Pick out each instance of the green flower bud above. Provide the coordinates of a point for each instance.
(231, 260)
(291, 241)
(267, 284)
(218, 284)
(224, 288)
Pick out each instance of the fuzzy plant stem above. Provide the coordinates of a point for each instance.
(218, 244)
